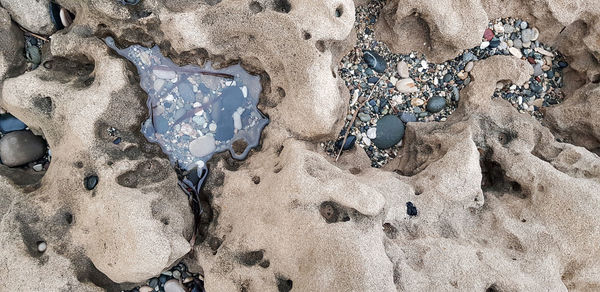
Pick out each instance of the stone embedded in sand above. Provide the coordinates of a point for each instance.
(8, 123)
(515, 52)
(390, 130)
(173, 286)
(406, 85)
(436, 104)
(21, 147)
(403, 69)
(30, 14)
(375, 61)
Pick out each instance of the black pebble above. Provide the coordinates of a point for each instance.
(117, 141)
(411, 210)
(349, 142)
(90, 182)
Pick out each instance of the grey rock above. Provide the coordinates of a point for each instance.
(527, 35)
(11, 45)
(33, 15)
(21, 147)
(517, 43)
(408, 117)
(364, 117)
(537, 70)
(469, 66)
(390, 131)
(173, 286)
(436, 104)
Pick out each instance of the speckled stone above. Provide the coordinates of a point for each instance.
(390, 131)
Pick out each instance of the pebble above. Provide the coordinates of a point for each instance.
(526, 35)
(173, 286)
(366, 140)
(364, 117)
(537, 70)
(406, 85)
(8, 123)
(349, 142)
(447, 77)
(146, 289)
(543, 52)
(488, 34)
(408, 117)
(469, 66)
(372, 133)
(390, 130)
(498, 28)
(38, 167)
(42, 246)
(523, 24)
(403, 69)
(436, 104)
(515, 52)
(90, 182)
(203, 146)
(411, 210)
(484, 45)
(375, 61)
(535, 34)
(21, 147)
(517, 43)
(417, 102)
(176, 274)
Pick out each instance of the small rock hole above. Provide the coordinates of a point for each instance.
(320, 46)
(307, 35)
(256, 179)
(283, 6)
(329, 211)
(69, 218)
(239, 146)
(256, 7)
(165, 221)
(333, 74)
(281, 92)
(284, 284)
(339, 11)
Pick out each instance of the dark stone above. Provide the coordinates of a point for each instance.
(494, 43)
(447, 77)
(8, 123)
(232, 98)
(562, 64)
(225, 129)
(153, 282)
(130, 2)
(408, 117)
(21, 147)
(390, 130)
(349, 143)
(411, 210)
(162, 279)
(375, 61)
(90, 182)
(117, 141)
(161, 125)
(436, 104)
(373, 80)
(536, 87)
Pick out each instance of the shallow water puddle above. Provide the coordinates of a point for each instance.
(194, 111)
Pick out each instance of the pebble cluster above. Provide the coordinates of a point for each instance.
(177, 279)
(19, 147)
(389, 90)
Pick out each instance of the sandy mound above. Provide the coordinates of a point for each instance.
(489, 199)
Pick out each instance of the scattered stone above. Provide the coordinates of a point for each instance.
(31, 15)
(436, 104)
(8, 123)
(523, 24)
(484, 45)
(390, 130)
(515, 52)
(488, 34)
(364, 117)
(416, 102)
(38, 167)
(372, 133)
(42, 246)
(146, 289)
(544, 52)
(406, 85)
(349, 142)
(90, 182)
(403, 69)
(21, 147)
(203, 146)
(173, 286)
(408, 117)
(374, 61)
(469, 66)
(411, 210)
(517, 43)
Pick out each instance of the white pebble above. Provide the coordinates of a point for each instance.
(244, 91)
(469, 66)
(544, 52)
(484, 45)
(520, 99)
(515, 52)
(173, 286)
(237, 120)
(403, 69)
(499, 28)
(424, 64)
(212, 127)
(42, 246)
(366, 140)
(372, 133)
(524, 25)
(164, 74)
(146, 289)
(203, 146)
(406, 86)
(38, 167)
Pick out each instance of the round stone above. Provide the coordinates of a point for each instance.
(203, 146)
(372, 133)
(146, 289)
(403, 69)
(447, 77)
(436, 104)
(42, 246)
(408, 117)
(173, 286)
(469, 66)
(21, 147)
(374, 61)
(488, 34)
(349, 142)
(390, 131)
(90, 182)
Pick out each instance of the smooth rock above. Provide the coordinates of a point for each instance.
(372, 133)
(544, 52)
(164, 74)
(447, 77)
(526, 35)
(416, 102)
(90, 182)
(203, 146)
(517, 43)
(364, 117)
(484, 45)
(411, 210)
(436, 104)
(403, 69)
(390, 130)
(537, 70)
(21, 147)
(469, 66)
(350, 140)
(8, 123)
(406, 85)
(38, 167)
(488, 34)
(408, 117)
(524, 24)
(535, 34)
(515, 52)
(375, 61)
(173, 286)
(146, 289)
(42, 246)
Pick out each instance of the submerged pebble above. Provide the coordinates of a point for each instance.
(21, 147)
